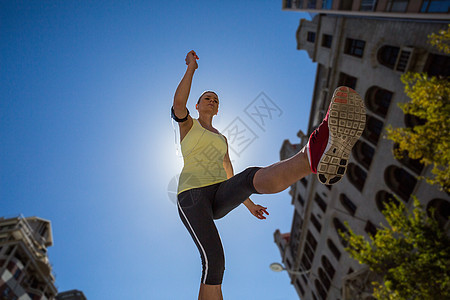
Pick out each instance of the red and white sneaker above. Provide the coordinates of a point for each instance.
(330, 145)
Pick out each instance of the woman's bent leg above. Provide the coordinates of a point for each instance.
(232, 192)
(279, 176)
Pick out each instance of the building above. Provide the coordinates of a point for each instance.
(415, 9)
(71, 295)
(25, 271)
(369, 55)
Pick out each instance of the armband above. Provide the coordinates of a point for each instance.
(178, 119)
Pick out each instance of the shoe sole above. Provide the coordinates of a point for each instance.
(346, 123)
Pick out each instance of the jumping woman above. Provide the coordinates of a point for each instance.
(208, 188)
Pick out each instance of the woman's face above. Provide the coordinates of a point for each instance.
(209, 103)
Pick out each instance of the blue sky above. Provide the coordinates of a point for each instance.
(87, 140)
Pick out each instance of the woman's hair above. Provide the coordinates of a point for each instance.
(205, 93)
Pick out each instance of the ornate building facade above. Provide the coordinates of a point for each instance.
(369, 55)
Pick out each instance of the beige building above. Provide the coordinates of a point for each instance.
(369, 55)
(25, 271)
(411, 9)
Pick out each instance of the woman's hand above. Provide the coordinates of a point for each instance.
(256, 209)
(191, 59)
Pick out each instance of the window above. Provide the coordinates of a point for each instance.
(383, 197)
(411, 121)
(400, 181)
(373, 130)
(304, 181)
(413, 164)
(328, 267)
(367, 5)
(354, 47)
(347, 80)
(311, 37)
(370, 228)
(387, 56)
(17, 274)
(438, 65)
(378, 100)
(363, 153)
(316, 223)
(397, 5)
(357, 176)
(324, 279)
(300, 287)
(300, 200)
(340, 228)
(403, 60)
(311, 4)
(320, 289)
(435, 6)
(347, 204)
(327, 40)
(345, 5)
(327, 4)
(309, 252)
(320, 202)
(311, 240)
(306, 263)
(334, 249)
(440, 210)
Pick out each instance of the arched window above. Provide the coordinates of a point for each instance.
(383, 197)
(412, 121)
(356, 175)
(441, 209)
(334, 249)
(348, 204)
(378, 100)
(387, 56)
(306, 263)
(400, 181)
(373, 130)
(363, 153)
(320, 289)
(340, 228)
(311, 240)
(309, 252)
(413, 164)
(324, 279)
(328, 267)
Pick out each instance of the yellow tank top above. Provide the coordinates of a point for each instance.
(203, 152)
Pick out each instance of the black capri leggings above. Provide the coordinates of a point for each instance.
(199, 207)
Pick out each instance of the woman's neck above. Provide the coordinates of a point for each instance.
(205, 121)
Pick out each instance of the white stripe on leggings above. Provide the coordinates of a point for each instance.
(198, 241)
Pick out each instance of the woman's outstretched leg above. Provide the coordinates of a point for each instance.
(279, 176)
(327, 151)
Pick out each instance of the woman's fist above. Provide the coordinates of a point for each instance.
(191, 59)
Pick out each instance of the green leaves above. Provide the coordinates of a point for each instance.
(430, 102)
(441, 40)
(412, 254)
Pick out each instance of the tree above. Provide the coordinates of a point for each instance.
(441, 40)
(412, 254)
(430, 140)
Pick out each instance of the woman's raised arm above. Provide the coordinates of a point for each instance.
(183, 89)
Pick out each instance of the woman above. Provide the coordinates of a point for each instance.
(208, 188)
